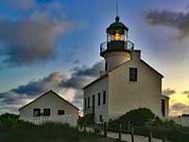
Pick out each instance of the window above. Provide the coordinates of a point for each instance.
(133, 74)
(61, 112)
(36, 112)
(100, 118)
(104, 97)
(88, 102)
(98, 98)
(106, 66)
(85, 103)
(93, 104)
(163, 107)
(46, 112)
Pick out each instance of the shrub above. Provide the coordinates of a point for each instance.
(137, 117)
(10, 121)
(88, 119)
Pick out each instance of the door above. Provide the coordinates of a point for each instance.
(93, 104)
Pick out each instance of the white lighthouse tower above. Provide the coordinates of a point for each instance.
(128, 82)
(116, 50)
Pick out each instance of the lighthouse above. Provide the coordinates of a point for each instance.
(116, 50)
(128, 82)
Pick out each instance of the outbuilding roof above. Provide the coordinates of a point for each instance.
(46, 93)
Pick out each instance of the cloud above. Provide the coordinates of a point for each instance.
(91, 72)
(185, 92)
(23, 5)
(176, 20)
(179, 109)
(179, 106)
(32, 89)
(168, 92)
(81, 75)
(70, 86)
(32, 39)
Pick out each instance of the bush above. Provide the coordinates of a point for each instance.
(88, 119)
(137, 117)
(10, 121)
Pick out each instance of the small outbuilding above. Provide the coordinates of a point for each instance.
(50, 107)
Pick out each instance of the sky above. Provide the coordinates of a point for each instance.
(54, 44)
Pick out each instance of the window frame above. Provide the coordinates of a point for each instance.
(46, 112)
(61, 112)
(100, 118)
(104, 97)
(99, 99)
(85, 103)
(133, 74)
(163, 107)
(88, 103)
(38, 114)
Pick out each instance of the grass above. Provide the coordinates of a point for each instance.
(49, 132)
(14, 130)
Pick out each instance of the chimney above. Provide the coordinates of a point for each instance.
(135, 55)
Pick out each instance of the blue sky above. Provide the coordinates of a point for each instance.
(60, 39)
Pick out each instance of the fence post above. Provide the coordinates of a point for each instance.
(120, 130)
(150, 136)
(132, 134)
(105, 129)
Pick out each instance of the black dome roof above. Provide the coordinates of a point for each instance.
(117, 27)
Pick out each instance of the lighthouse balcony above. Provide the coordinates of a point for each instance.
(116, 46)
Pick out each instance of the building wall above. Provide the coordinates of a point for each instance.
(54, 103)
(116, 58)
(125, 95)
(94, 89)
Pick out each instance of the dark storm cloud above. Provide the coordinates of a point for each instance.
(177, 20)
(82, 75)
(92, 72)
(168, 92)
(33, 39)
(32, 89)
(35, 87)
(55, 80)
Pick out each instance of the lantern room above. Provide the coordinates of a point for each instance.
(117, 31)
(117, 39)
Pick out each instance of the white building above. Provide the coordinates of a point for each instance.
(127, 83)
(50, 107)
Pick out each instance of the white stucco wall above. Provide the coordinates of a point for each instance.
(54, 103)
(125, 95)
(102, 109)
(115, 58)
